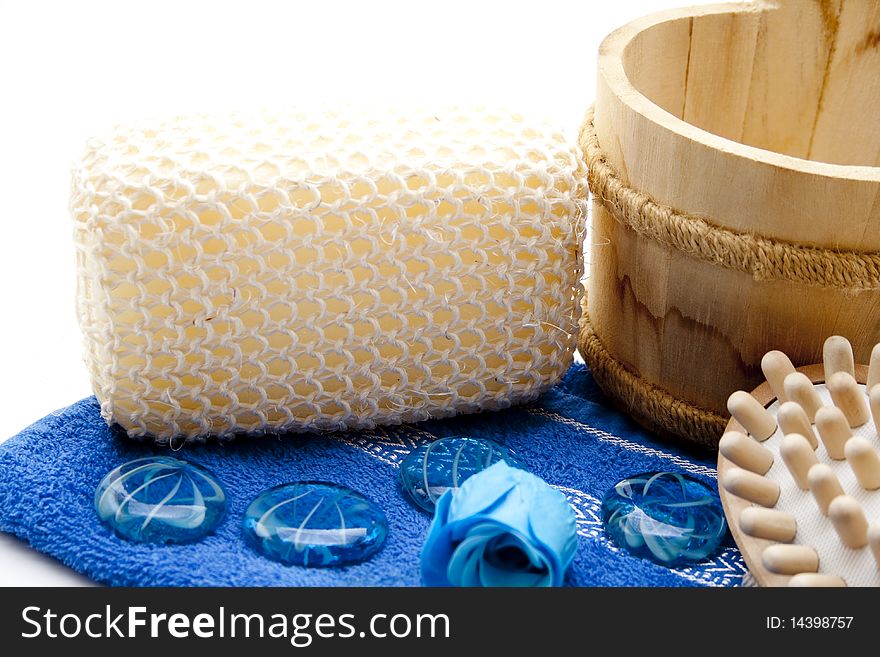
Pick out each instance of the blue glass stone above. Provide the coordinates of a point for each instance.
(159, 499)
(314, 523)
(433, 468)
(667, 517)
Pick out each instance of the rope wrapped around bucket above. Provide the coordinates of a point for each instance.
(761, 257)
(764, 258)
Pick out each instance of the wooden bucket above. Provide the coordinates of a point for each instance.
(734, 155)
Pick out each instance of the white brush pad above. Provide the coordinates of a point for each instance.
(856, 567)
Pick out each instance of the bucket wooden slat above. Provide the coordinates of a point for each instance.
(713, 111)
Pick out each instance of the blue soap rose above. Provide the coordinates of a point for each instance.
(503, 527)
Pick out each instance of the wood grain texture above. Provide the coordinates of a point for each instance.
(714, 112)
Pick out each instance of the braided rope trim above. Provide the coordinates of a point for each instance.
(763, 258)
(647, 404)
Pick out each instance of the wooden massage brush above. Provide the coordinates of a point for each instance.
(799, 471)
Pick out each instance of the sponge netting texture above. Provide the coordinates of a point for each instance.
(290, 272)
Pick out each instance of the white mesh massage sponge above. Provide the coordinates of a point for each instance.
(290, 272)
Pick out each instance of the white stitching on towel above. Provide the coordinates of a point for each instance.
(722, 570)
(392, 444)
(622, 442)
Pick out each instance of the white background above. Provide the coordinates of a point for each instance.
(71, 69)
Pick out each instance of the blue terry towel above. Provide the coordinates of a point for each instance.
(570, 437)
